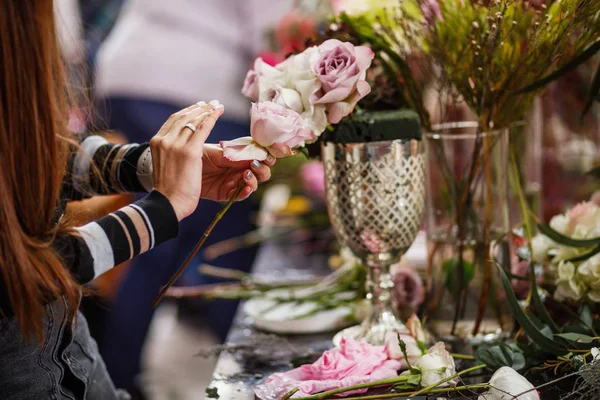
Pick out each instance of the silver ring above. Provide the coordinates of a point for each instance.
(190, 126)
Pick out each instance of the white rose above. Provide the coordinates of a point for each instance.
(566, 271)
(291, 83)
(541, 244)
(560, 223)
(436, 365)
(508, 384)
(569, 290)
(589, 272)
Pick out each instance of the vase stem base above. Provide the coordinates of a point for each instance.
(372, 331)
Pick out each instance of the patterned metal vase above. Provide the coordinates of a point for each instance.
(376, 201)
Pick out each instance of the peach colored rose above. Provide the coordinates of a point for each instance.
(413, 351)
(341, 69)
(408, 288)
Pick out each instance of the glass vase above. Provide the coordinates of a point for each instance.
(467, 221)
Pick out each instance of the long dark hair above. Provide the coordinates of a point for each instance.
(34, 146)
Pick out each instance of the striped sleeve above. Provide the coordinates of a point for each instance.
(99, 167)
(119, 236)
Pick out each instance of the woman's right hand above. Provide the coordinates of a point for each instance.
(177, 155)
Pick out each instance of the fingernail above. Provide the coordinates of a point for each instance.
(270, 158)
(220, 106)
(214, 103)
(201, 103)
(248, 175)
(255, 164)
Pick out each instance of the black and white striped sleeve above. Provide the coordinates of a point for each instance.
(119, 236)
(99, 167)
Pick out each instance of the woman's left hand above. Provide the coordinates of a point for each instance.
(221, 177)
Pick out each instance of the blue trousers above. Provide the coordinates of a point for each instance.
(129, 317)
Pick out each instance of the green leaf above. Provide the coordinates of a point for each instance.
(450, 268)
(212, 393)
(576, 337)
(594, 93)
(304, 151)
(412, 369)
(540, 308)
(565, 240)
(532, 331)
(501, 355)
(585, 256)
(580, 59)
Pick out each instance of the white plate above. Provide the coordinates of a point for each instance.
(282, 318)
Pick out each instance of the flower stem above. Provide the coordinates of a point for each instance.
(208, 231)
(409, 394)
(428, 388)
(383, 382)
(462, 356)
(289, 394)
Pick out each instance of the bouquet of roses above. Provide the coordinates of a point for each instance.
(298, 98)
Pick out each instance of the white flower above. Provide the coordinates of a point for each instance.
(436, 365)
(566, 271)
(560, 223)
(541, 244)
(506, 383)
(569, 290)
(595, 353)
(589, 272)
(291, 83)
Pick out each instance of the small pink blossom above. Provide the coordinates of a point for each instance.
(576, 213)
(521, 268)
(431, 11)
(349, 364)
(275, 130)
(312, 175)
(408, 288)
(342, 70)
(415, 329)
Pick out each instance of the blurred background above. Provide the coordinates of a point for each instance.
(132, 63)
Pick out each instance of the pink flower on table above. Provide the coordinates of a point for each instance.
(413, 350)
(312, 175)
(250, 88)
(436, 365)
(349, 364)
(408, 288)
(275, 130)
(341, 69)
(415, 329)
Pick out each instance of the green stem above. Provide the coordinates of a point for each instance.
(405, 394)
(383, 382)
(289, 394)
(462, 356)
(428, 388)
(208, 231)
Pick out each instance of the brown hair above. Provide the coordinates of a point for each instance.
(34, 145)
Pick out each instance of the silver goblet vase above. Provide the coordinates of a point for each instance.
(376, 201)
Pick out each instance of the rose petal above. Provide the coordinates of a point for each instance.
(243, 149)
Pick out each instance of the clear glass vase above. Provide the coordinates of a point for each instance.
(467, 221)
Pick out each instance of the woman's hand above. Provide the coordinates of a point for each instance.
(177, 155)
(221, 177)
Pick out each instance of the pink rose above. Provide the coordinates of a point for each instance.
(408, 288)
(275, 130)
(250, 88)
(349, 364)
(413, 350)
(521, 268)
(341, 69)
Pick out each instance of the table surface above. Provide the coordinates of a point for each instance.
(235, 375)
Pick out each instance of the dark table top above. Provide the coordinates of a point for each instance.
(237, 373)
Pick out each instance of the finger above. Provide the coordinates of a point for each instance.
(164, 129)
(270, 160)
(262, 172)
(250, 180)
(244, 194)
(186, 132)
(206, 126)
(187, 118)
